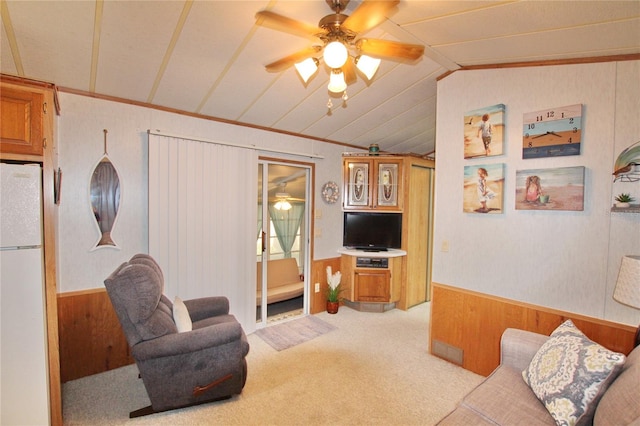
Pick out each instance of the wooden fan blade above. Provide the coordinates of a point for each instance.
(274, 21)
(349, 71)
(369, 14)
(390, 49)
(287, 61)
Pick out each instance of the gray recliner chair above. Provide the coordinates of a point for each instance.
(177, 369)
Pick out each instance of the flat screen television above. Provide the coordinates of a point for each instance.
(372, 231)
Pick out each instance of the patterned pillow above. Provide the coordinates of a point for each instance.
(570, 373)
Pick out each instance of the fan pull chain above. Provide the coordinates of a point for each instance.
(345, 97)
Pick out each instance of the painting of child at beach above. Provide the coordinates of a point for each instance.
(559, 188)
(483, 132)
(483, 188)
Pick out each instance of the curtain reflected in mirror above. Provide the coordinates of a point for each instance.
(105, 200)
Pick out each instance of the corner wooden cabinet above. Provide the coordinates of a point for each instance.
(372, 277)
(372, 183)
(402, 184)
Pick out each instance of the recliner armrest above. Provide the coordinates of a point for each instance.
(207, 307)
(188, 342)
(517, 347)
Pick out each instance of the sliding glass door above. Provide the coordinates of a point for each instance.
(282, 241)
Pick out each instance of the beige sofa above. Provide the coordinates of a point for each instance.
(283, 281)
(504, 398)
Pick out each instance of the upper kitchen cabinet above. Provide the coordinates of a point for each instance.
(22, 114)
(372, 183)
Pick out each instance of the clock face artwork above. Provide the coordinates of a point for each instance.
(552, 132)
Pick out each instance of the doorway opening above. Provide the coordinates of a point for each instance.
(282, 243)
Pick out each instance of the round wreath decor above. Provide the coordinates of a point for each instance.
(330, 192)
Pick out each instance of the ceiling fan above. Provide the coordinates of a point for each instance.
(283, 199)
(341, 48)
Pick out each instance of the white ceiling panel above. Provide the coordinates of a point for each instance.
(207, 43)
(209, 57)
(6, 56)
(134, 39)
(50, 49)
(521, 18)
(548, 45)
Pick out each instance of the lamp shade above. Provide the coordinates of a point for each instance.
(335, 54)
(367, 65)
(627, 289)
(307, 68)
(336, 81)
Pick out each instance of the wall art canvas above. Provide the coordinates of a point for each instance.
(560, 188)
(484, 132)
(552, 132)
(483, 188)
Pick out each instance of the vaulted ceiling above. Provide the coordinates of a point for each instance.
(209, 57)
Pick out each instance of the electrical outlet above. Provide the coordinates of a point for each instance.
(317, 287)
(445, 246)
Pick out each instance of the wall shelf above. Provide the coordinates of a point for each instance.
(633, 208)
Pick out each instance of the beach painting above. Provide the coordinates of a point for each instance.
(484, 132)
(560, 188)
(483, 189)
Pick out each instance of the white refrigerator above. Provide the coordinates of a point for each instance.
(24, 378)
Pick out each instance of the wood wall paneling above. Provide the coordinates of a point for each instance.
(474, 322)
(417, 231)
(91, 339)
(418, 213)
(317, 301)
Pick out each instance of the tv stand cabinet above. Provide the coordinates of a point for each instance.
(372, 280)
(370, 183)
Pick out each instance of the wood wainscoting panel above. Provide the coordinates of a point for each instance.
(474, 322)
(318, 301)
(91, 339)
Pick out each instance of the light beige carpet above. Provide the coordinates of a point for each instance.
(373, 369)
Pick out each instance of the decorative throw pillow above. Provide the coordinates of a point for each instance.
(181, 316)
(570, 373)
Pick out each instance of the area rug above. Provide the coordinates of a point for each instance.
(292, 333)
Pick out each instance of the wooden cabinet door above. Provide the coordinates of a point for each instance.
(372, 285)
(372, 184)
(21, 117)
(357, 184)
(387, 191)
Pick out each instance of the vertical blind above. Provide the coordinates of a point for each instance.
(202, 216)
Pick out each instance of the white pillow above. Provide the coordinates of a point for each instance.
(181, 316)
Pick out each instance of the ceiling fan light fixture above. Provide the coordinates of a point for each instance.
(367, 65)
(336, 81)
(335, 54)
(307, 68)
(282, 205)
